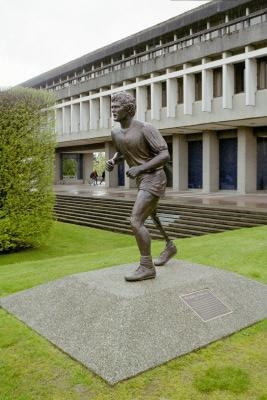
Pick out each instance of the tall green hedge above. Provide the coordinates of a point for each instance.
(27, 146)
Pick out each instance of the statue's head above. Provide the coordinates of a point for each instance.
(126, 100)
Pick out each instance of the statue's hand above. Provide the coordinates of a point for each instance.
(109, 165)
(133, 172)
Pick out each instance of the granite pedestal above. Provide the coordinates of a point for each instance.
(119, 329)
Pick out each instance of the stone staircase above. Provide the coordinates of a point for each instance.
(179, 220)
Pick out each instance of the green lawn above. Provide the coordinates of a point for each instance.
(31, 368)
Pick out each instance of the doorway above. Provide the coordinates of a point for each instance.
(195, 164)
(261, 163)
(228, 164)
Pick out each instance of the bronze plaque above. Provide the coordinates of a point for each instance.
(205, 304)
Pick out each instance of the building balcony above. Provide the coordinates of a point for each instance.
(224, 37)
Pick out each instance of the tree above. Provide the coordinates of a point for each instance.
(27, 146)
(99, 162)
(69, 167)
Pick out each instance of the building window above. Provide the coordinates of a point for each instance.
(217, 82)
(239, 77)
(163, 94)
(195, 164)
(228, 163)
(262, 73)
(217, 19)
(198, 86)
(262, 163)
(180, 88)
(148, 95)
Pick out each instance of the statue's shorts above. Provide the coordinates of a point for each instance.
(153, 182)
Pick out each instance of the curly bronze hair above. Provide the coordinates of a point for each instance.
(127, 100)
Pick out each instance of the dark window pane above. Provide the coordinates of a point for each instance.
(195, 164)
(164, 94)
(198, 86)
(217, 82)
(228, 163)
(239, 77)
(180, 82)
(262, 163)
(148, 91)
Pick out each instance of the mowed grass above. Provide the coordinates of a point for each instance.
(31, 368)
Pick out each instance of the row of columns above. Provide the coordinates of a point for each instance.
(83, 116)
(246, 161)
(95, 113)
(228, 85)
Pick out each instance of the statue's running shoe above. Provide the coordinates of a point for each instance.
(141, 273)
(169, 251)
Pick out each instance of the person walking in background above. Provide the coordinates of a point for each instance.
(102, 177)
(94, 177)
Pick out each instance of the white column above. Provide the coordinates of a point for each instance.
(156, 99)
(64, 125)
(210, 162)
(180, 162)
(88, 159)
(59, 121)
(75, 118)
(66, 120)
(189, 91)
(246, 160)
(172, 96)
(84, 116)
(57, 167)
(94, 113)
(104, 111)
(207, 87)
(250, 79)
(141, 102)
(113, 86)
(111, 178)
(228, 83)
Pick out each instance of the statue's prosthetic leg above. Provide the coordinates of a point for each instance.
(170, 249)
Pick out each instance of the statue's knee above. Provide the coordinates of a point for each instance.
(135, 223)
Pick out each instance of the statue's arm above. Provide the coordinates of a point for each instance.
(158, 160)
(116, 159)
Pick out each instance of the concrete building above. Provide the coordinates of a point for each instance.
(200, 78)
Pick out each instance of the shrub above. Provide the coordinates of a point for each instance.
(26, 167)
(69, 167)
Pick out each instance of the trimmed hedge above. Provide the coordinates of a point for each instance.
(27, 147)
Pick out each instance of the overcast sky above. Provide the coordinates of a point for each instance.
(36, 36)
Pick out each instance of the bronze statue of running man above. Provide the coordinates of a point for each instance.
(146, 153)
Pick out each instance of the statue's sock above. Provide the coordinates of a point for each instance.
(146, 261)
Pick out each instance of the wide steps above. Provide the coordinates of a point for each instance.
(202, 225)
(114, 227)
(189, 217)
(178, 220)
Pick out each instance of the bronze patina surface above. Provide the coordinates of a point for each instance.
(143, 148)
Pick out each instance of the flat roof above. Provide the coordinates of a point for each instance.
(180, 21)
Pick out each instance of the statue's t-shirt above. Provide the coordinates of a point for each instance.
(138, 145)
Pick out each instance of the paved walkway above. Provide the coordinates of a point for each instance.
(222, 198)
